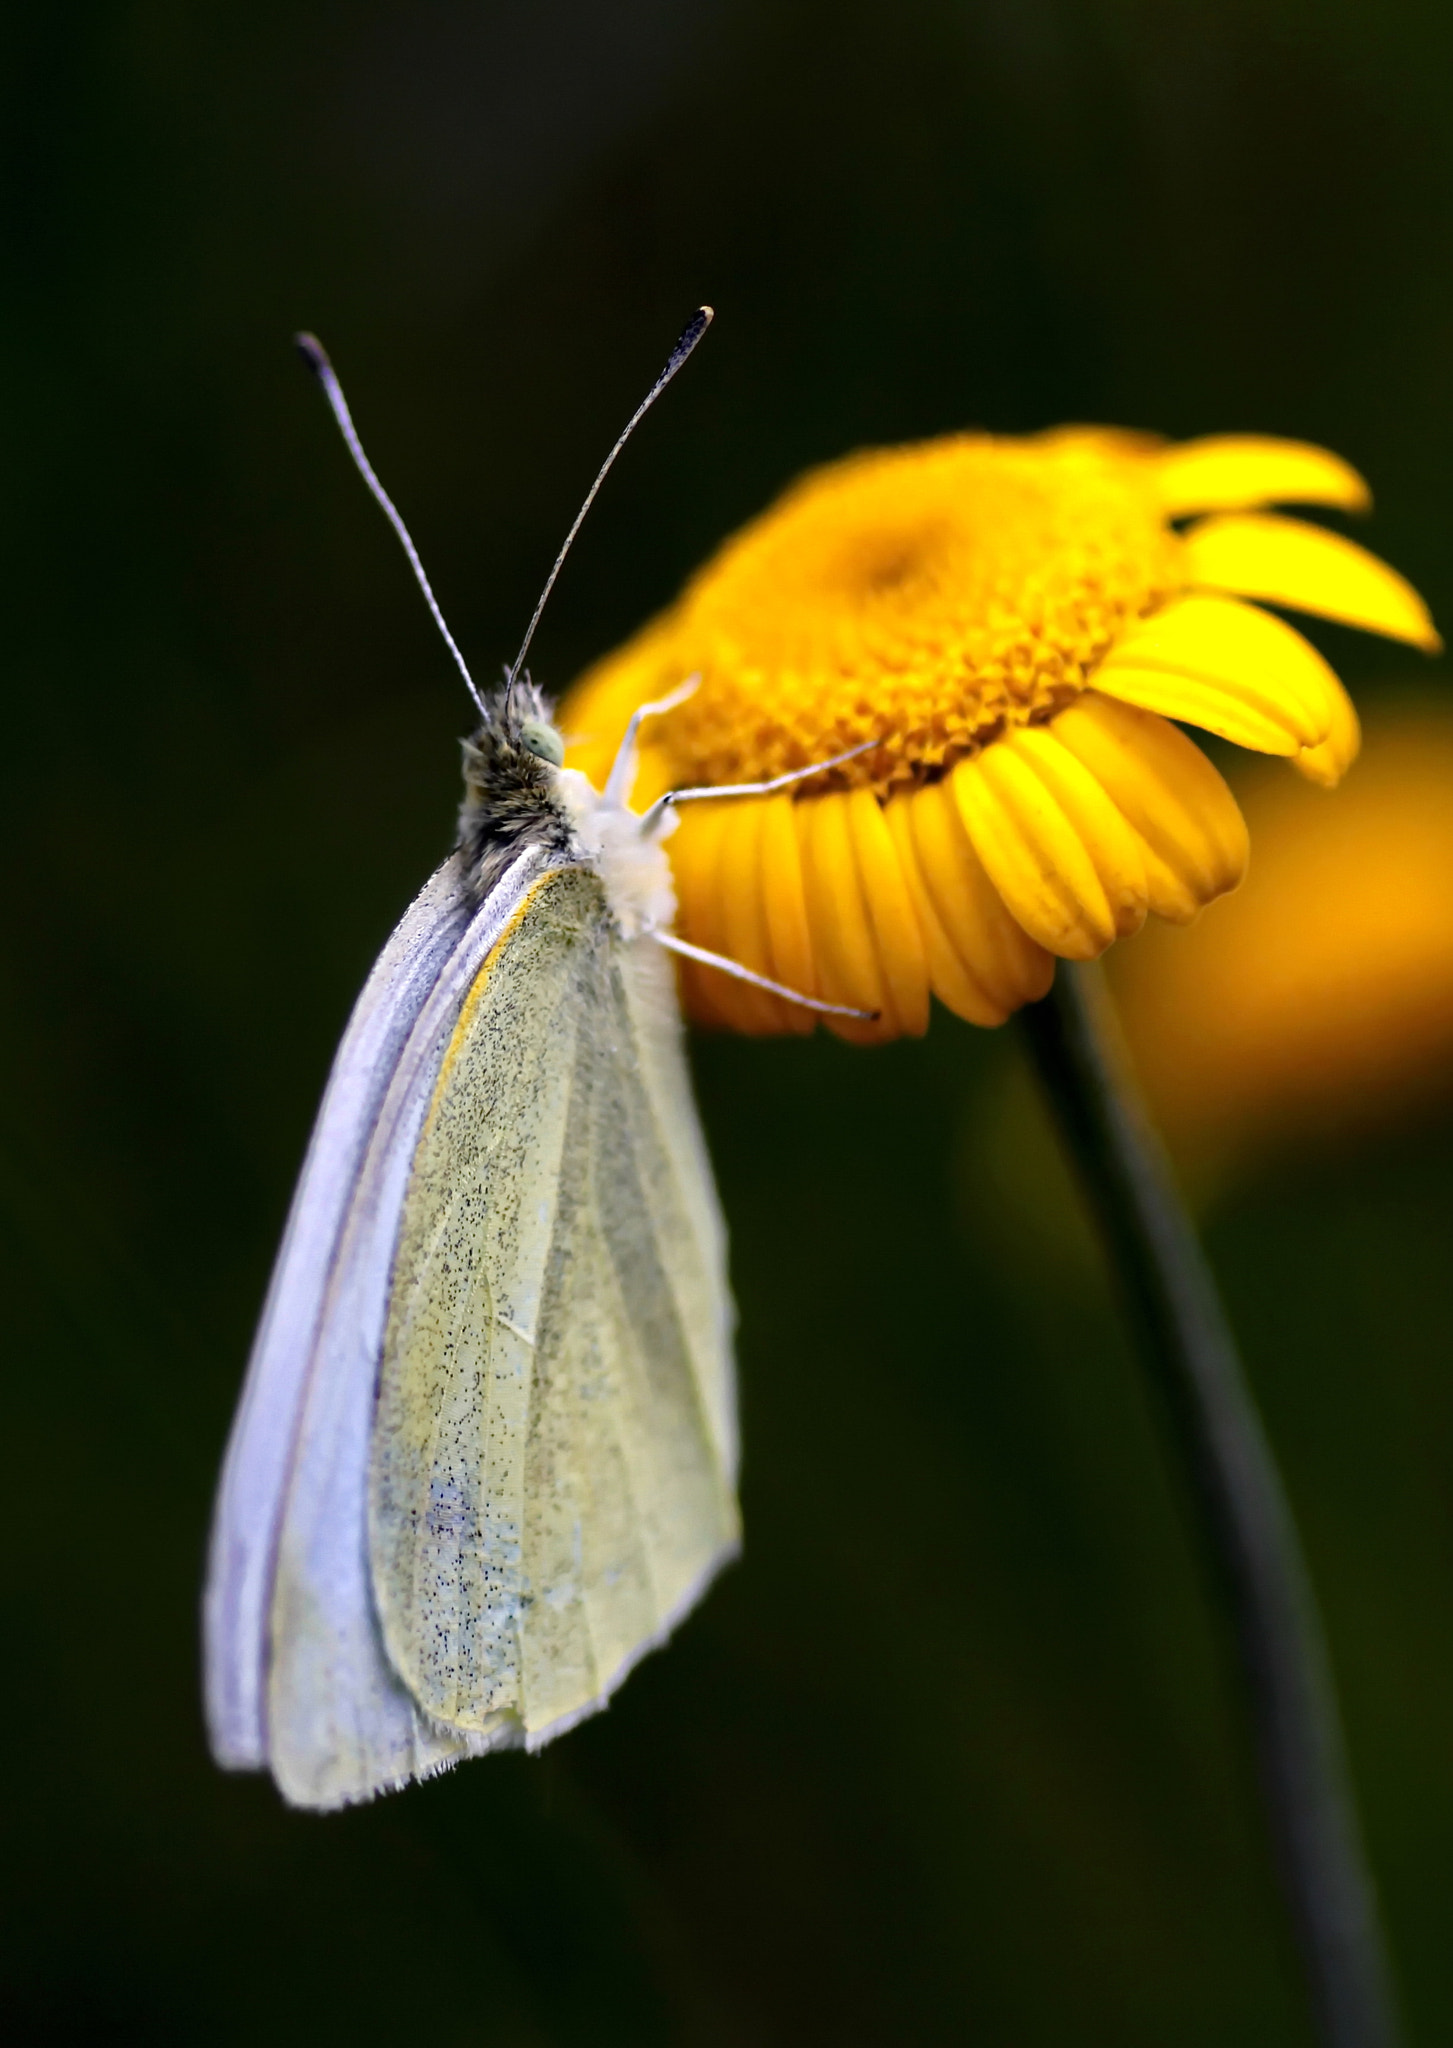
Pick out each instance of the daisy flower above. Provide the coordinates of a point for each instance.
(1020, 628)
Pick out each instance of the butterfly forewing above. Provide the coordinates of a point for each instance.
(339, 1726)
(259, 1455)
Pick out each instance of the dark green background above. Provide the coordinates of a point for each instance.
(951, 1756)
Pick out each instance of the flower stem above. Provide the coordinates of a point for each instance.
(1181, 1330)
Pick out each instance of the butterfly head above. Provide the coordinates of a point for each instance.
(511, 784)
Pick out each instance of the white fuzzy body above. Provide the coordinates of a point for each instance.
(631, 862)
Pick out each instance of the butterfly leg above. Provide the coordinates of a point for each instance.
(653, 819)
(623, 769)
(739, 973)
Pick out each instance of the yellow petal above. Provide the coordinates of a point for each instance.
(788, 933)
(744, 916)
(1208, 705)
(707, 995)
(891, 911)
(1233, 472)
(996, 950)
(1170, 897)
(1033, 854)
(1286, 561)
(1327, 764)
(842, 938)
(1237, 671)
(1116, 851)
(1167, 789)
(952, 978)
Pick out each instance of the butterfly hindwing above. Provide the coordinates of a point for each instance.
(553, 1451)
(448, 1459)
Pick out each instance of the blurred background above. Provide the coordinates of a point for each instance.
(952, 1755)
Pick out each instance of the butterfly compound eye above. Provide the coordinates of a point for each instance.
(543, 741)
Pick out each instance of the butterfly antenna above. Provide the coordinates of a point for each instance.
(691, 334)
(315, 356)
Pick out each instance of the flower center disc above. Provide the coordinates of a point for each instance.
(924, 596)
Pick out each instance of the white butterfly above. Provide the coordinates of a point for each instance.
(485, 1457)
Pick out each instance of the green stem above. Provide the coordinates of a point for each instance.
(1182, 1333)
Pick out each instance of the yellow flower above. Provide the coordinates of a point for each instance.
(1015, 624)
(1321, 1000)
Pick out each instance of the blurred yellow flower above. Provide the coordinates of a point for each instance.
(1322, 997)
(1015, 624)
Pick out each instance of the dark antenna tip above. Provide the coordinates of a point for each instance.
(312, 352)
(691, 334)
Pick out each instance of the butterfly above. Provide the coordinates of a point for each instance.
(485, 1456)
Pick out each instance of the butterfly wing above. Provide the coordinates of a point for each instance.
(296, 1678)
(254, 1472)
(554, 1449)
